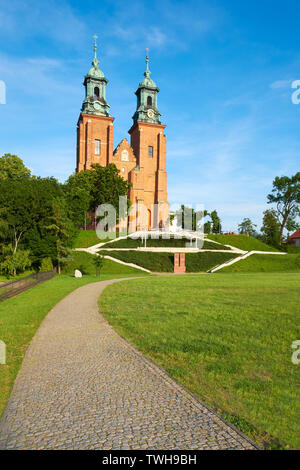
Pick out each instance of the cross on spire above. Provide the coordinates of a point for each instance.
(95, 61)
(147, 73)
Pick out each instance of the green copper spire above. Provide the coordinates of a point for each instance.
(95, 61)
(146, 93)
(95, 88)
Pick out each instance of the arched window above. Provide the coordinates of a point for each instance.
(149, 101)
(96, 93)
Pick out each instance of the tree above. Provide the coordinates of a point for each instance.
(98, 261)
(188, 218)
(14, 262)
(292, 225)
(13, 167)
(216, 222)
(20, 207)
(46, 265)
(271, 228)
(207, 227)
(88, 189)
(61, 227)
(26, 204)
(78, 190)
(108, 186)
(247, 227)
(286, 196)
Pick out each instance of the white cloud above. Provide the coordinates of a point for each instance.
(42, 75)
(280, 84)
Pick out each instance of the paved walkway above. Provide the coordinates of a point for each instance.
(81, 386)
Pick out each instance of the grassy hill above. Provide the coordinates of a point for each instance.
(265, 263)
(243, 242)
(84, 262)
(164, 262)
(162, 243)
(86, 238)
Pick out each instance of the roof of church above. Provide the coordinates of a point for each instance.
(120, 143)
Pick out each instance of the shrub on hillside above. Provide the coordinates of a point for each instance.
(46, 265)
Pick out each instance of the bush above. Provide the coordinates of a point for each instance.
(14, 263)
(46, 265)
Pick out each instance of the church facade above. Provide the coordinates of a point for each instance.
(142, 161)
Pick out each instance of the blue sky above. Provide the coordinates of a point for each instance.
(224, 68)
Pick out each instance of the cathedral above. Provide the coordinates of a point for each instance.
(142, 162)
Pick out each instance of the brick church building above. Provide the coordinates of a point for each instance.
(142, 162)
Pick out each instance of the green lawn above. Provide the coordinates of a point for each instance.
(86, 238)
(242, 241)
(227, 338)
(265, 263)
(20, 316)
(164, 262)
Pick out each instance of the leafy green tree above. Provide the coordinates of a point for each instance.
(207, 227)
(46, 265)
(271, 228)
(18, 201)
(26, 204)
(78, 191)
(98, 261)
(14, 262)
(247, 227)
(13, 167)
(216, 222)
(292, 225)
(3, 230)
(61, 226)
(188, 218)
(286, 195)
(88, 189)
(108, 186)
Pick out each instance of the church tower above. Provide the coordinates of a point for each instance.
(95, 125)
(149, 178)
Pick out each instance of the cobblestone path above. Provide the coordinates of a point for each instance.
(81, 386)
